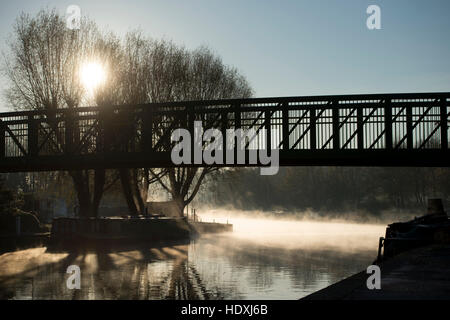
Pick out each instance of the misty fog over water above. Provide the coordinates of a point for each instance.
(260, 259)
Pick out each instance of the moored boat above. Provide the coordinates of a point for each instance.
(433, 227)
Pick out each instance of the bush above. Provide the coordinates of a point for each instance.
(29, 223)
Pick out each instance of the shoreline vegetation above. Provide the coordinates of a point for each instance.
(363, 194)
(309, 215)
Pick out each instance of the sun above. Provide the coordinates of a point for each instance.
(92, 75)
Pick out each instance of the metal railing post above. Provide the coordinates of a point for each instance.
(32, 136)
(444, 123)
(2, 139)
(285, 128)
(409, 128)
(335, 117)
(360, 127)
(312, 129)
(388, 124)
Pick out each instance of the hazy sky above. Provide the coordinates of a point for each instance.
(290, 48)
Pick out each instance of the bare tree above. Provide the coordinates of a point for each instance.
(43, 68)
(161, 71)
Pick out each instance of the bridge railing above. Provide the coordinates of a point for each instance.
(300, 127)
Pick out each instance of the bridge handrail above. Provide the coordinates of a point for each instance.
(240, 103)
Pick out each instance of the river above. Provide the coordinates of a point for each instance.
(260, 259)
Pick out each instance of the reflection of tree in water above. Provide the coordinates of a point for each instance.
(184, 283)
(210, 268)
(127, 275)
(148, 273)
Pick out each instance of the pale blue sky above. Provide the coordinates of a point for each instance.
(290, 48)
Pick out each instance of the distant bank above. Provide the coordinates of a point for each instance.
(111, 231)
(152, 228)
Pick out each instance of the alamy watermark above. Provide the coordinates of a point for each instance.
(74, 280)
(374, 20)
(73, 17)
(215, 145)
(374, 281)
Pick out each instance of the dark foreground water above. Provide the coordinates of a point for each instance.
(261, 259)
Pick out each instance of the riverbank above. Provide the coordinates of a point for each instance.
(419, 274)
(69, 232)
(11, 242)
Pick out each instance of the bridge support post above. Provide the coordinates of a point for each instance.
(224, 119)
(335, 117)
(69, 124)
(268, 128)
(360, 128)
(285, 129)
(409, 128)
(237, 125)
(444, 124)
(237, 116)
(147, 130)
(130, 141)
(312, 129)
(2, 140)
(104, 131)
(190, 125)
(388, 124)
(32, 136)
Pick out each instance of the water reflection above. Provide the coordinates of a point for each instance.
(274, 265)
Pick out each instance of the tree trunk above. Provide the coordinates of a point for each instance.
(127, 191)
(88, 207)
(137, 194)
(180, 205)
(99, 183)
